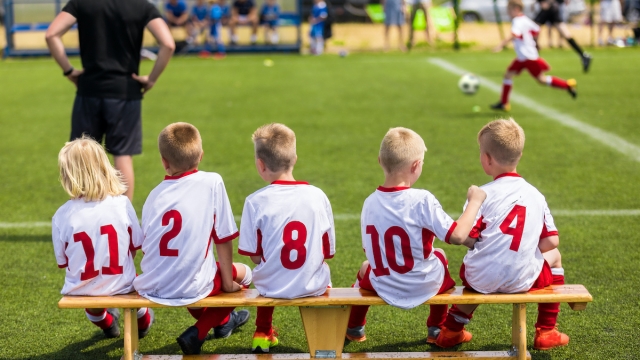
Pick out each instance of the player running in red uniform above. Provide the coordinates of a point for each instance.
(524, 34)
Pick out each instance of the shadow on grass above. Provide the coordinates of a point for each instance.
(78, 350)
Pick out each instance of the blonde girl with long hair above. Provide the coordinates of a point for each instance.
(96, 233)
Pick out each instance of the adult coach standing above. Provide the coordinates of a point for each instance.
(109, 87)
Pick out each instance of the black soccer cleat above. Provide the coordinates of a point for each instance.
(572, 83)
(113, 331)
(143, 333)
(189, 342)
(236, 319)
(501, 107)
(586, 62)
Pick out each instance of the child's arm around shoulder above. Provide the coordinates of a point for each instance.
(460, 235)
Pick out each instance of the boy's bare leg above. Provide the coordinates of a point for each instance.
(124, 164)
(401, 39)
(386, 38)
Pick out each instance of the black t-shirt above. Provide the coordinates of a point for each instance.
(243, 7)
(110, 34)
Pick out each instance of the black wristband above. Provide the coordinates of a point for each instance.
(68, 72)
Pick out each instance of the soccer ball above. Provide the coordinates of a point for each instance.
(469, 84)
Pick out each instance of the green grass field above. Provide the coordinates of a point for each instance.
(340, 109)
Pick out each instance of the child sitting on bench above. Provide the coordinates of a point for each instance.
(96, 233)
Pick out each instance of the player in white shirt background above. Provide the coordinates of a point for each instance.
(524, 35)
(515, 239)
(96, 233)
(182, 219)
(287, 229)
(398, 227)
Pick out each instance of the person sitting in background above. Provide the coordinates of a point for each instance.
(243, 12)
(176, 14)
(214, 40)
(198, 21)
(317, 19)
(269, 15)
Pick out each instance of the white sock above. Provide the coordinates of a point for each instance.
(248, 276)
(549, 80)
(234, 38)
(557, 271)
(142, 312)
(275, 38)
(95, 318)
(254, 38)
(319, 45)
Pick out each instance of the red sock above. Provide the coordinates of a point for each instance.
(437, 315)
(548, 313)
(264, 319)
(144, 321)
(559, 83)
(506, 90)
(358, 316)
(102, 324)
(452, 323)
(196, 312)
(210, 318)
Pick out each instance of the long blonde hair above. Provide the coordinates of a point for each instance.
(85, 171)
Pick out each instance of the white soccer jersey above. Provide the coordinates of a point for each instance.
(398, 228)
(512, 220)
(290, 225)
(524, 31)
(93, 241)
(180, 219)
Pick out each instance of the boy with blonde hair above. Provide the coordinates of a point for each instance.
(515, 239)
(96, 233)
(287, 230)
(524, 34)
(180, 219)
(399, 222)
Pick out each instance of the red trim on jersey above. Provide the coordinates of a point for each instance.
(326, 247)
(453, 227)
(62, 266)
(517, 36)
(546, 233)
(477, 229)
(511, 174)
(227, 238)
(289, 182)
(258, 249)
(393, 189)
(187, 173)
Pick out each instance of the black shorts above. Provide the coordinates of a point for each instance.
(118, 121)
(549, 16)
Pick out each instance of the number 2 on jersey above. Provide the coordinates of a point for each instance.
(518, 212)
(87, 245)
(172, 233)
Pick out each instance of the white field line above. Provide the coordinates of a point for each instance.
(606, 138)
(354, 216)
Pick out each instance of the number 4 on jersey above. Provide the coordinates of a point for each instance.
(519, 213)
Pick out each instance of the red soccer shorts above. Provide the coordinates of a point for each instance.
(447, 282)
(544, 279)
(217, 280)
(535, 67)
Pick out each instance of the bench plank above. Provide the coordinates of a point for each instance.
(576, 294)
(472, 355)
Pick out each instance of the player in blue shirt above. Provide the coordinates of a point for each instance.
(214, 43)
(319, 14)
(269, 15)
(244, 12)
(198, 21)
(175, 13)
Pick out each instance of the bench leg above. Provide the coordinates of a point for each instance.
(325, 327)
(130, 334)
(519, 331)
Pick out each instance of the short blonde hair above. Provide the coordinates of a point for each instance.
(400, 147)
(515, 3)
(85, 171)
(503, 140)
(181, 145)
(275, 145)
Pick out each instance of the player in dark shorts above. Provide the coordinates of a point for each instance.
(109, 89)
(244, 12)
(550, 14)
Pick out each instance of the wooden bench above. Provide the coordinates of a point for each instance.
(325, 319)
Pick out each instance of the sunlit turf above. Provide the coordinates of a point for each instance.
(339, 108)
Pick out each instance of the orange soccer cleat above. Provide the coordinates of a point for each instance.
(448, 338)
(547, 339)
